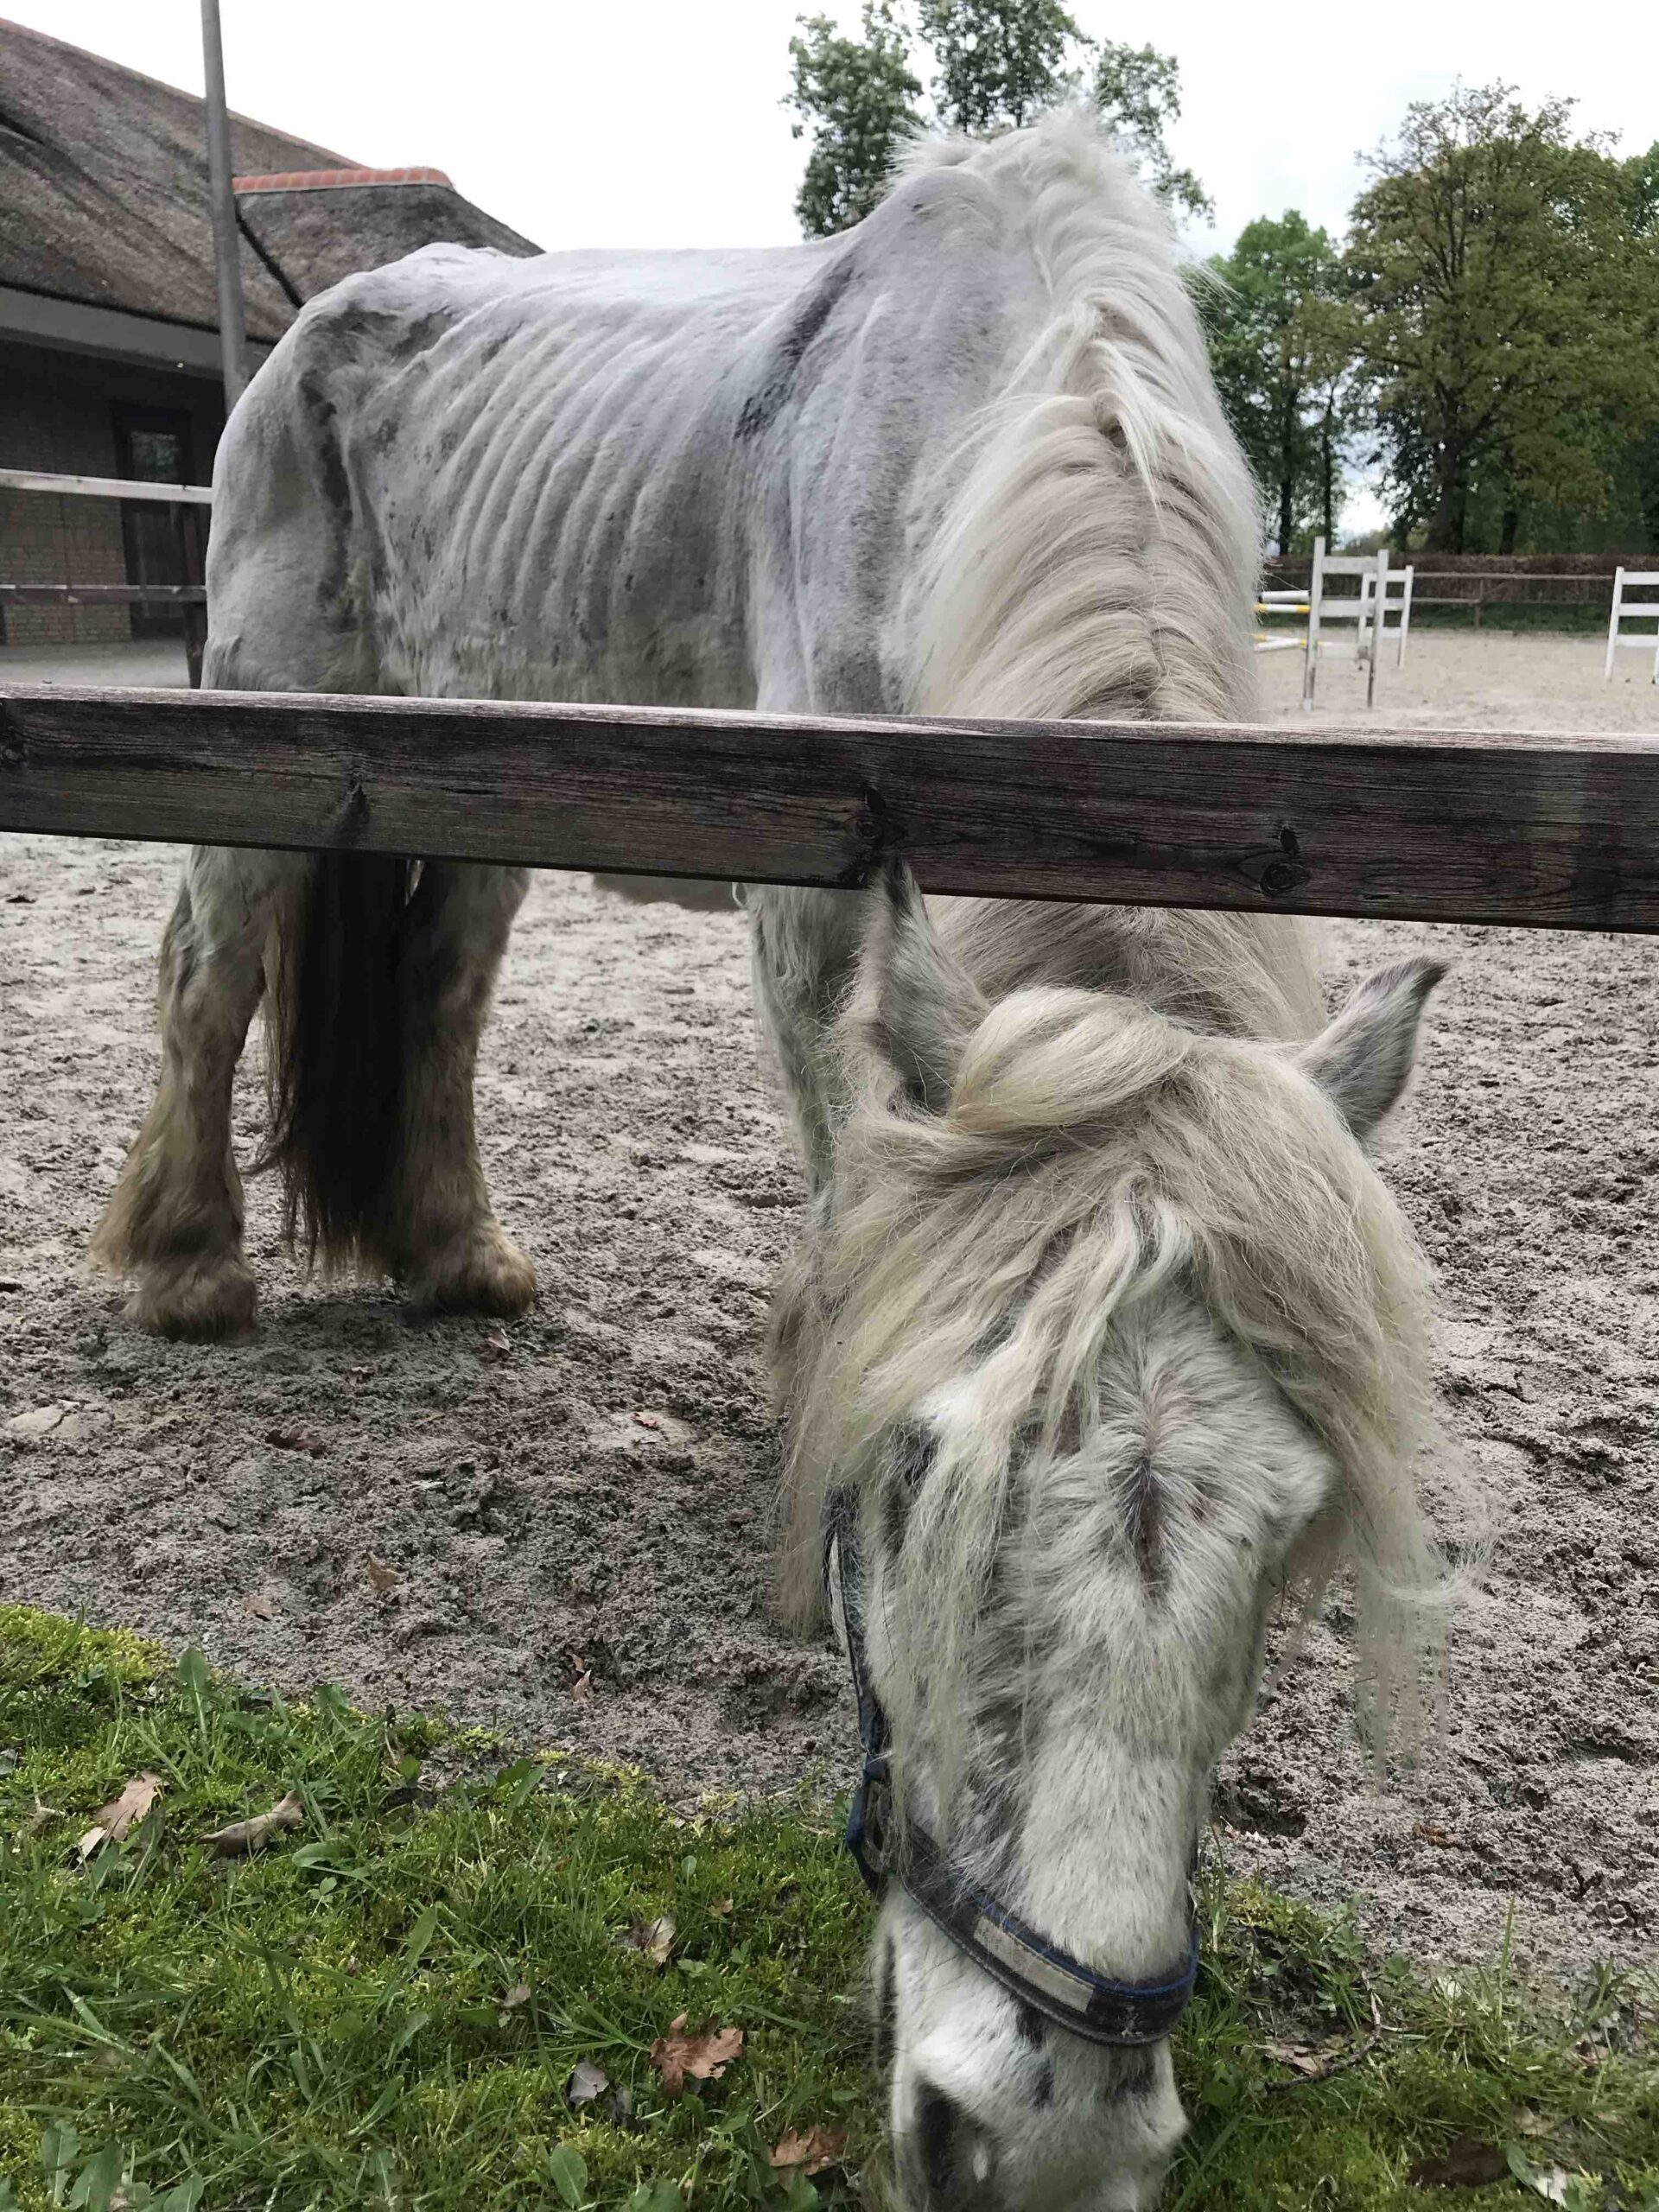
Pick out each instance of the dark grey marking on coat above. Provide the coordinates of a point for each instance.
(1042, 2089)
(886, 2009)
(1030, 2026)
(1145, 1506)
(909, 1458)
(1132, 2076)
(763, 406)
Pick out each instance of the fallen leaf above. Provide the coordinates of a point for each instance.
(648, 1421)
(243, 1837)
(296, 1440)
(498, 1344)
(260, 1606)
(582, 1688)
(1431, 1832)
(39, 1818)
(587, 2081)
(1551, 2182)
(112, 1821)
(518, 1995)
(679, 2058)
(655, 1938)
(810, 2151)
(382, 1578)
(1296, 2055)
(722, 1906)
(1465, 2163)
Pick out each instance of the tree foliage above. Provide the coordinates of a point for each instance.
(1138, 91)
(1279, 346)
(996, 66)
(1000, 62)
(1505, 309)
(855, 99)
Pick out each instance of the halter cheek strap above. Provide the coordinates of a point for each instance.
(1123, 2014)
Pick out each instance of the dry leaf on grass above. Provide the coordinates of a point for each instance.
(259, 1607)
(497, 1344)
(1295, 2055)
(243, 1837)
(1465, 2163)
(382, 1578)
(810, 2150)
(112, 1821)
(654, 1937)
(518, 1995)
(581, 1690)
(721, 1907)
(679, 2058)
(1431, 1832)
(587, 2081)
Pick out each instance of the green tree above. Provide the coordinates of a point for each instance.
(997, 65)
(855, 99)
(1000, 62)
(1279, 346)
(1506, 308)
(1138, 91)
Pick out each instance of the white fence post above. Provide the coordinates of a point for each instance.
(1310, 651)
(1644, 610)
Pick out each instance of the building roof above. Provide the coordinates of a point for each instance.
(104, 197)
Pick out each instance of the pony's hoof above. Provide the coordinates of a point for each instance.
(203, 1298)
(484, 1273)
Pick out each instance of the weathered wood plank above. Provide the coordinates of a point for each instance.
(102, 594)
(1554, 832)
(104, 487)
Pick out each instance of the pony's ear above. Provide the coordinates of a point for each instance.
(1364, 1057)
(915, 1006)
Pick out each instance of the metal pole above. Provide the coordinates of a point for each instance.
(228, 252)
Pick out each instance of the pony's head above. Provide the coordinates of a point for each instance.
(1107, 1335)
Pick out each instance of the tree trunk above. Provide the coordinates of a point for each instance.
(1445, 524)
(1511, 527)
(1286, 507)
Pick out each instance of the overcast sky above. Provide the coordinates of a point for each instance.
(658, 121)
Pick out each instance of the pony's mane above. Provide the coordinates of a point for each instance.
(1093, 1156)
(1096, 553)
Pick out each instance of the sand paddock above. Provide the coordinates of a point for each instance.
(587, 1493)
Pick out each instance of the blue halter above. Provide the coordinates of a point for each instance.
(1120, 2013)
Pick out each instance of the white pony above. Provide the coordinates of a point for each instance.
(1104, 1330)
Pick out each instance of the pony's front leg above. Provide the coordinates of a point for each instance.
(803, 948)
(445, 1245)
(173, 1221)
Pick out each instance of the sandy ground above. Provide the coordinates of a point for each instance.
(561, 1529)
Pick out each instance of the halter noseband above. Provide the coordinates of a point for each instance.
(1120, 2013)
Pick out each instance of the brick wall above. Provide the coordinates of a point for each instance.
(56, 413)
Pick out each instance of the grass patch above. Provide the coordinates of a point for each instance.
(385, 2007)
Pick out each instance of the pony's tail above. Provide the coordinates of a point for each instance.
(334, 1056)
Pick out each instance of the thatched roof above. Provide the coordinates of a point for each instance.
(104, 197)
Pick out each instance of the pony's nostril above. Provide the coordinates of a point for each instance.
(936, 2139)
(955, 2158)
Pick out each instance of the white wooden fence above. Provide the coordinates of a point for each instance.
(1644, 610)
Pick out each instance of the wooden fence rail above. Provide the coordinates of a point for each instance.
(1554, 832)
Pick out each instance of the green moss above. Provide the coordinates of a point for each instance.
(385, 2007)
